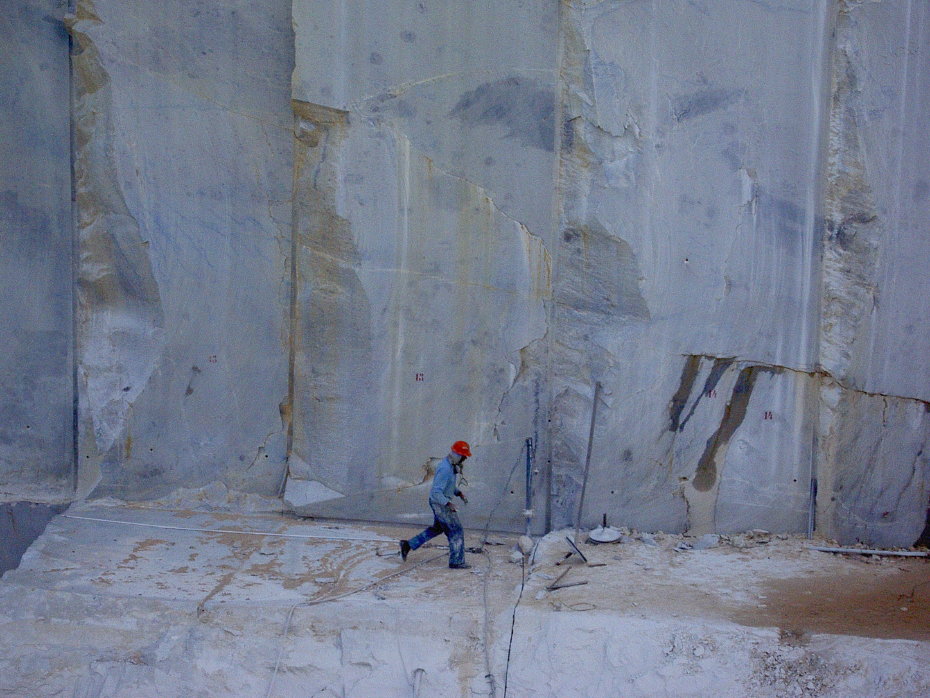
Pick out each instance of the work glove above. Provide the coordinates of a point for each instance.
(463, 497)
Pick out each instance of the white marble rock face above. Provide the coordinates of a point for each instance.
(685, 199)
(326, 239)
(182, 162)
(874, 334)
(426, 279)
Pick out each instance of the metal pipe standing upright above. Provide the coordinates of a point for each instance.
(812, 494)
(587, 459)
(528, 511)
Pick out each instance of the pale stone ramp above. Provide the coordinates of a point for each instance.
(117, 600)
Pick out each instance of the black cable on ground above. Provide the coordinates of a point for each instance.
(513, 623)
(489, 675)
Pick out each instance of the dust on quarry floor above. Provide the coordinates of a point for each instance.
(119, 600)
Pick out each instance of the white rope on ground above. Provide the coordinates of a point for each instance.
(227, 530)
(316, 602)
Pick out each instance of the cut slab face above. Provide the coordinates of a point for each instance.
(874, 470)
(876, 277)
(423, 208)
(686, 270)
(36, 394)
(876, 421)
(701, 157)
(183, 162)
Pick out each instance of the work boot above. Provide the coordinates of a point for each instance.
(404, 550)
(460, 566)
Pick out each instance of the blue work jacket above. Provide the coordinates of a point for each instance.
(444, 483)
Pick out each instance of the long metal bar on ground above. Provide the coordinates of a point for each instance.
(560, 578)
(866, 551)
(566, 586)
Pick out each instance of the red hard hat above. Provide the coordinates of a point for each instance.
(461, 447)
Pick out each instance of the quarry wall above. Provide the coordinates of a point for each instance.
(303, 246)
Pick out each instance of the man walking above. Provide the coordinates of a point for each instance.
(445, 520)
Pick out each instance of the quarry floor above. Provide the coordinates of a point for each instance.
(120, 600)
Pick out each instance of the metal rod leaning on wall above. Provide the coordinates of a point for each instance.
(587, 459)
(812, 494)
(528, 511)
(812, 509)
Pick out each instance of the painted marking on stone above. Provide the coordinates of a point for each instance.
(419, 377)
(768, 415)
(212, 359)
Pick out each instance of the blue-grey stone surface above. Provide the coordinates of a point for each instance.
(36, 384)
(183, 173)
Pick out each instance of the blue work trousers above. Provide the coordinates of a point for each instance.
(444, 521)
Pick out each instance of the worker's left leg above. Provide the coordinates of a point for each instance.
(453, 530)
(426, 534)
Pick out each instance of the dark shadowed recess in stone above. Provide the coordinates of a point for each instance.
(924, 539)
(600, 277)
(521, 105)
(921, 190)
(706, 474)
(680, 398)
(20, 524)
(703, 102)
(716, 372)
(26, 230)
